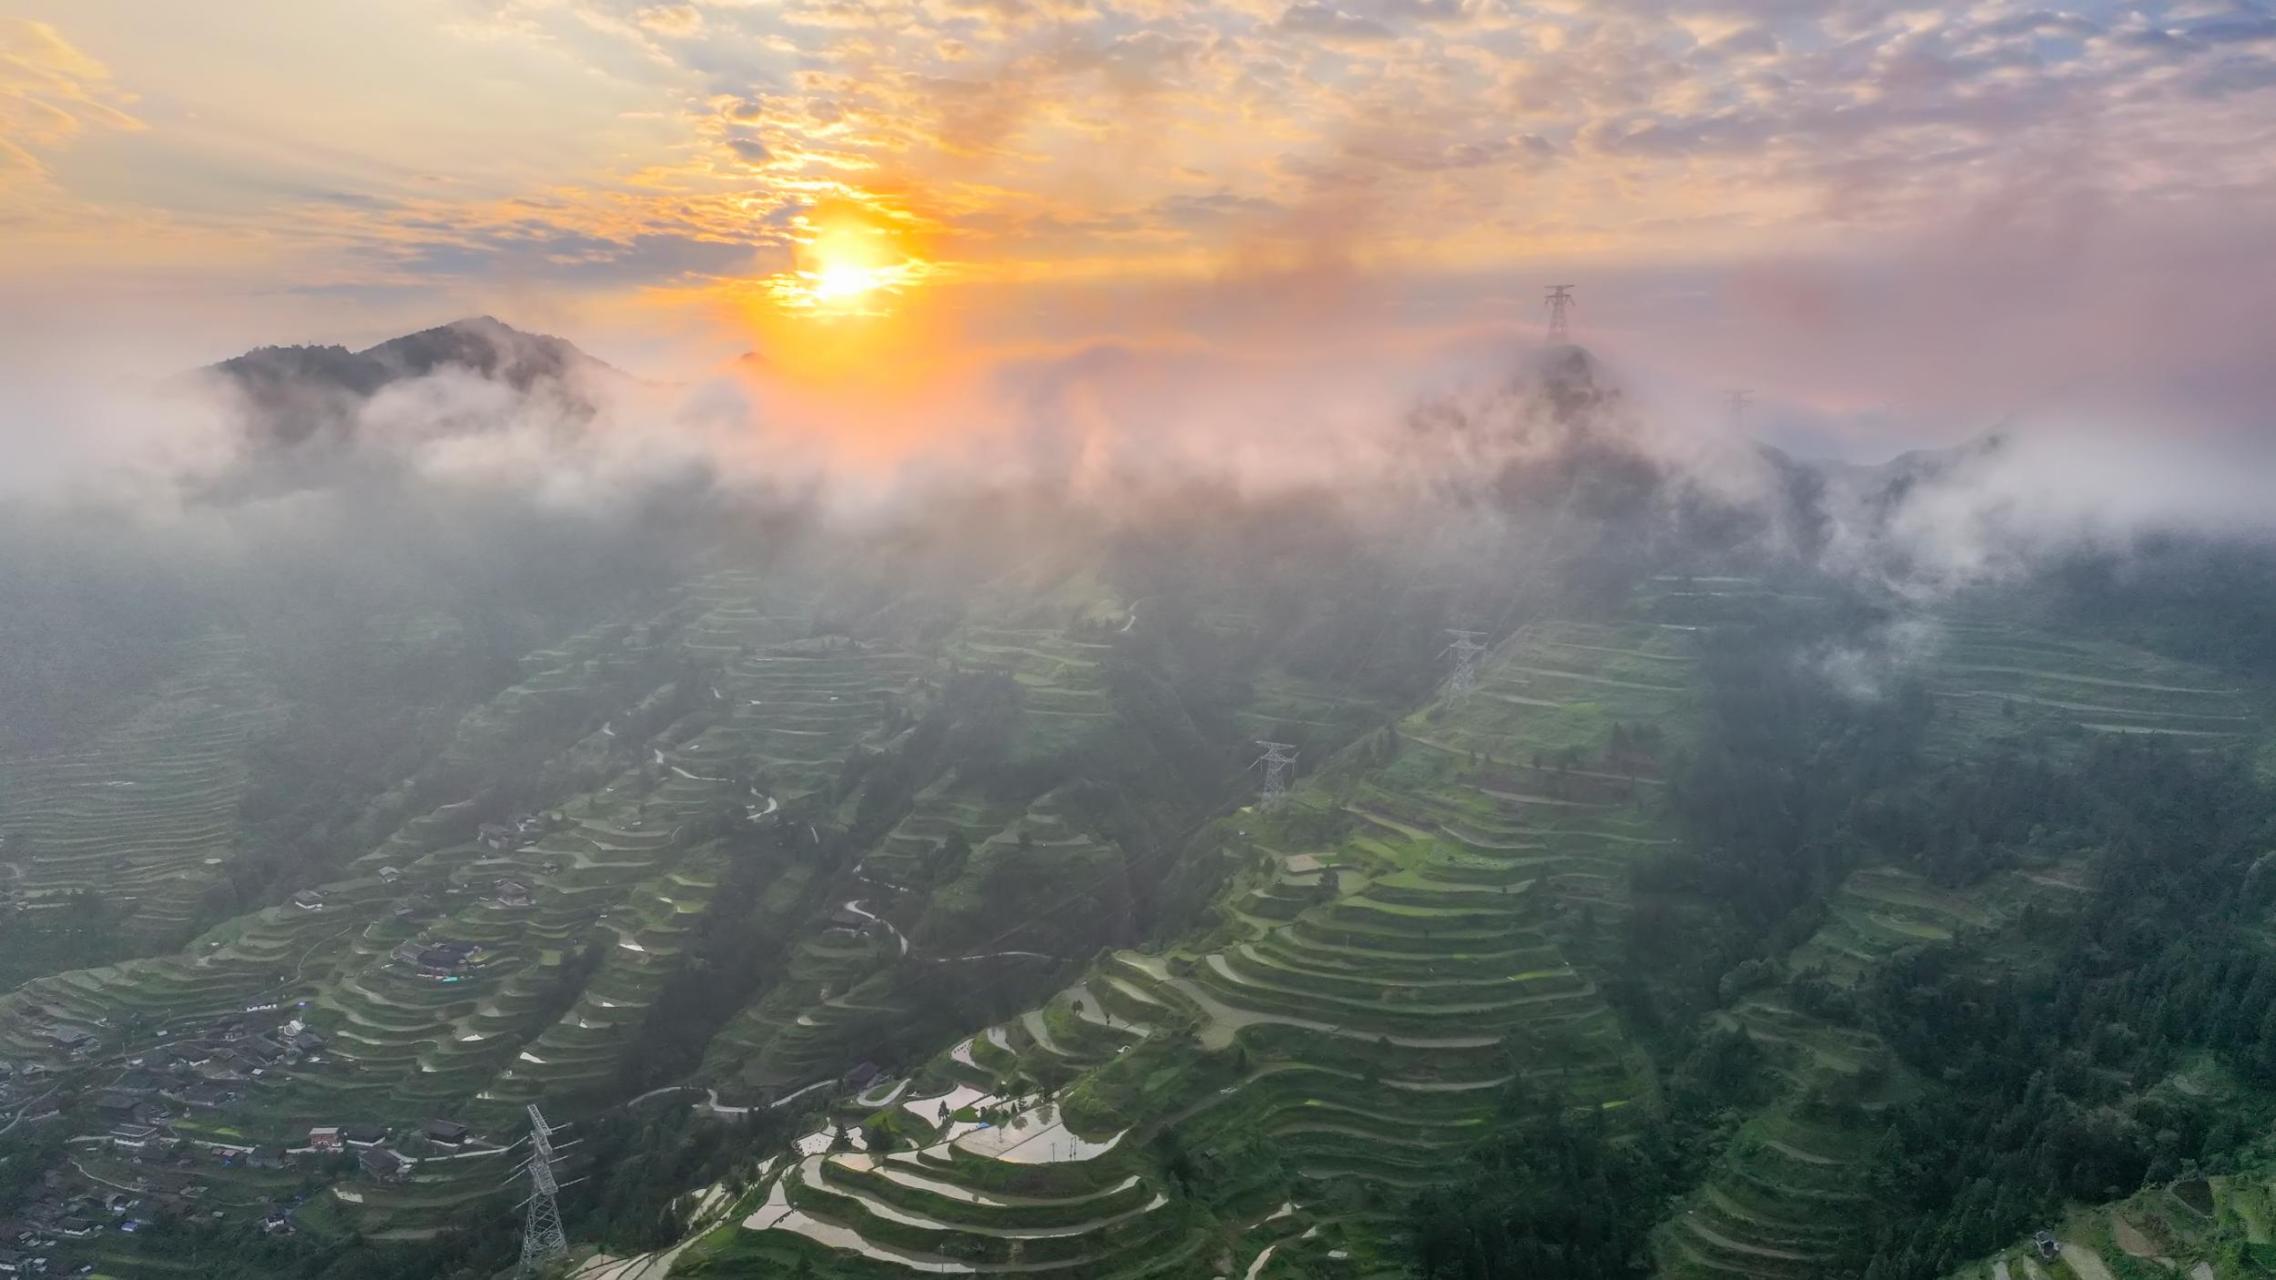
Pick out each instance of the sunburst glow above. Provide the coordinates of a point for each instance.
(847, 266)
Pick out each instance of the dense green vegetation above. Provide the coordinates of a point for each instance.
(2050, 1060)
(1999, 1072)
(1547, 1195)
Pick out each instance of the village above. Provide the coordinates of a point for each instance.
(142, 1132)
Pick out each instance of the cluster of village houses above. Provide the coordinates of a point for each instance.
(147, 1112)
(147, 1115)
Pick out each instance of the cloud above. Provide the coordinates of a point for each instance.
(675, 21)
(1868, 667)
(1762, 196)
(50, 95)
(2234, 75)
(1324, 21)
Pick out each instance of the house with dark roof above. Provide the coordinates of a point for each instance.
(208, 1096)
(71, 1039)
(381, 1163)
(133, 1136)
(449, 1133)
(226, 1067)
(363, 1135)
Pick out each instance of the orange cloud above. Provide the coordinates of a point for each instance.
(50, 94)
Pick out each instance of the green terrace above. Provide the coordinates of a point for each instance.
(1388, 960)
(1063, 695)
(1026, 1195)
(848, 989)
(1994, 681)
(1553, 759)
(1004, 896)
(909, 855)
(1879, 911)
(144, 814)
(1283, 707)
(788, 715)
(1783, 1200)
(584, 1047)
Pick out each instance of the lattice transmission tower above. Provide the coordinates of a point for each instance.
(1467, 648)
(542, 1240)
(1279, 760)
(1736, 402)
(1560, 307)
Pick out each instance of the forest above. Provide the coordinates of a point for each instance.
(2032, 1055)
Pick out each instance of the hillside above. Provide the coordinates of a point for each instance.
(908, 898)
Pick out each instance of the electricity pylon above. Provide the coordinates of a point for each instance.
(1467, 648)
(1560, 302)
(542, 1239)
(1737, 401)
(1278, 759)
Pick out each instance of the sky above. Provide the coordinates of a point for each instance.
(1897, 222)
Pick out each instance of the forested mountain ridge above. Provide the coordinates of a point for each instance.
(293, 394)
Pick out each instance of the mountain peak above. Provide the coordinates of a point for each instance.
(293, 393)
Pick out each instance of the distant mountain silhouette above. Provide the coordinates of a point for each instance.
(296, 394)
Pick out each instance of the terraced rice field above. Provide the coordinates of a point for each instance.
(1879, 911)
(1408, 933)
(145, 814)
(1063, 695)
(1994, 680)
(849, 984)
(610, 873)
(1786, 1196)
(1371, 997)
(1784, 1199)
(1025, 1195)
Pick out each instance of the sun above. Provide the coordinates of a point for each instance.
(837, 282)
(846, 265)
